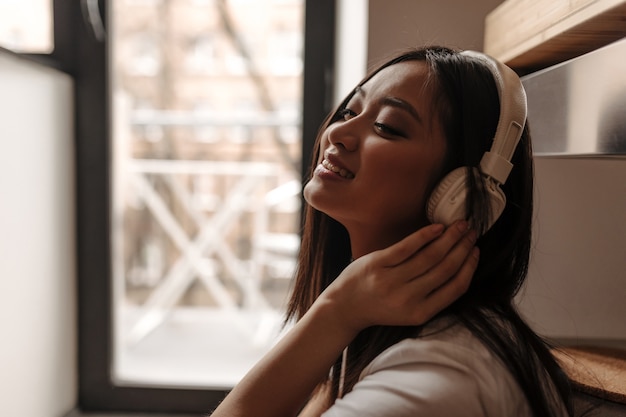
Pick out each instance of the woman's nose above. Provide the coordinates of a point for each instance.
(344, 134)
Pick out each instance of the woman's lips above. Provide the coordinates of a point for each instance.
(342, 172)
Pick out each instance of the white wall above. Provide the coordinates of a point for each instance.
(37, 279)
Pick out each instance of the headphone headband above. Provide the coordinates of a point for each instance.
(496, 162)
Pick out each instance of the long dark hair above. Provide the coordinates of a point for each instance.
(466, 102)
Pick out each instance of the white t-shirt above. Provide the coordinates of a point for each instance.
(445, 373)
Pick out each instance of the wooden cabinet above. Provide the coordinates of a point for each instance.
(533, 34)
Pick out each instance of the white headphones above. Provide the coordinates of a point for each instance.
(447, 202)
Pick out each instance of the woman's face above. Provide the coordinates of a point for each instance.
(380, 160)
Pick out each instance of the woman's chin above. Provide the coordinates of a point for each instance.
(314, 195)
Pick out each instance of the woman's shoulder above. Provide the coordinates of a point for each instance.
(447, 361)
(444, 339)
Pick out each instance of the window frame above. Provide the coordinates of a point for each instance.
(87, 60)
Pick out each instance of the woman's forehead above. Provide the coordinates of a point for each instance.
(406, 79)
(405, 82)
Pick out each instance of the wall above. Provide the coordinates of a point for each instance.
(37, 307)
(575, 287)
(399, 24)
(369, 32)
(576, 280)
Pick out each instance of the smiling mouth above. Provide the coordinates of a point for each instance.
(340, 171)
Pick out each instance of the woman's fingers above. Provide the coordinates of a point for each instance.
(451, 261)
(440, 274)
(450, 290)
(440, 248)
(433, 253)
(406, 248)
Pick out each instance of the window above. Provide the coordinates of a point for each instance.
(123, 123)
(201, 55)
(285, 57)
(200, 288)
(174, 179)
(144, 55)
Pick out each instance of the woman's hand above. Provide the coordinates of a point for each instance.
(407, 283)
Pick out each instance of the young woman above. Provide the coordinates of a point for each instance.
(397, 316)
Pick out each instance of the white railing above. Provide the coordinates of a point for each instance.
(200, 252)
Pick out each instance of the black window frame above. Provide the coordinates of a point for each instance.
(86, 58)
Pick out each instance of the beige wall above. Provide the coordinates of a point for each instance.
(398, 24)
(575, 287)
(370, 31)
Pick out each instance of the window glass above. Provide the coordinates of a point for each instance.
(26, 26)
(206, 194)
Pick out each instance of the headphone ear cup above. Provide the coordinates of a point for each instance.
(447, 201)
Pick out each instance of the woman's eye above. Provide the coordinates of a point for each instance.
(387, 130)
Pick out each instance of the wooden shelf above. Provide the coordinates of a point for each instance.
(594, 370)
(533, 34)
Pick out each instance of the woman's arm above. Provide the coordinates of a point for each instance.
(405, 284)
(319, 402)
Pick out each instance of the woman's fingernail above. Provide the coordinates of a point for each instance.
(463, 226)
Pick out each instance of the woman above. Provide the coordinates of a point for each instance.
(396, 316)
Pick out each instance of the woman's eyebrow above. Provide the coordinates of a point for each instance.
(402, 105)
(393, 102)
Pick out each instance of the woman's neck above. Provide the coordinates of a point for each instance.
(369, 238)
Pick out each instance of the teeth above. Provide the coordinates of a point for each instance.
(342, 172)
